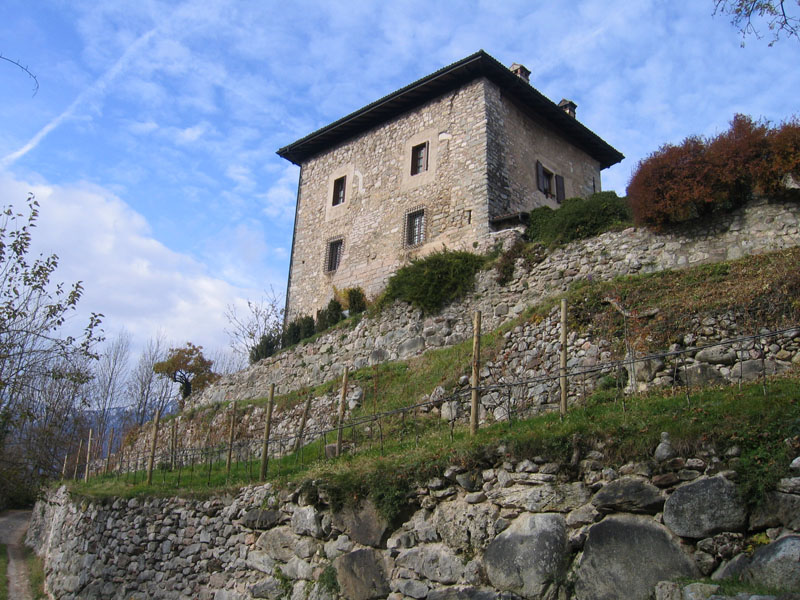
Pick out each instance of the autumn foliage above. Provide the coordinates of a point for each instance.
(187, 367)
(701, 176)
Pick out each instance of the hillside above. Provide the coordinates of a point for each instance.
(682, 426)
(430, 395)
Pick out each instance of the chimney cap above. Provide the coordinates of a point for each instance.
(521, 71)
(568, 106)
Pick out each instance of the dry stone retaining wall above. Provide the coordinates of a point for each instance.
(403, 332)
(514, 529)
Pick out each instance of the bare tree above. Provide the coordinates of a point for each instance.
(263, 318)
(226, 362)
(782, 16)
(110, 374)
(147, 391)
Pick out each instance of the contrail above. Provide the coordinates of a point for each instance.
(97, 88)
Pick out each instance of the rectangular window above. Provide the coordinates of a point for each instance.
(544, 180)
(338, 191)
(415, 228)
(334, 255)
(419, 158)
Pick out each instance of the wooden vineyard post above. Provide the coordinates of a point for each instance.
(88, 455)
(265, 447)
(341, 412)
(110, 445)
(77, 459)
(228, 461)
(152, 457)
(64, 468)
(476, 367)
(299, 442)
(563, 369)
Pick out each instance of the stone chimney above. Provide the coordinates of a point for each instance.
(521, 71)
(568, 106)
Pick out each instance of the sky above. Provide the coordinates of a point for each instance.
(150, 142)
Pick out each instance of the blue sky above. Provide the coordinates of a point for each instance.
(151, 141)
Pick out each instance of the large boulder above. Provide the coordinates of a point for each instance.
(362, 575)
(279, 543)
(629, 494)
(528, 557)
(777, 565)
(307, 520)
(258, 518)
(464, 526)
(543, 497)
(363, 524)
(704, 507)
(432, 561)
(625, 556)
(777, 509)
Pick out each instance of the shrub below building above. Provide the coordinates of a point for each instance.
(432, 282)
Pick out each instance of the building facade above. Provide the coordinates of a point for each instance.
(438, 164)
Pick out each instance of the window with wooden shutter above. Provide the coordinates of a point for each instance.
(559, 189)
(544, 180)
(419, 158)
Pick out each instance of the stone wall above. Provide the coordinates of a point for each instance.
(402, 332)
(511, 529)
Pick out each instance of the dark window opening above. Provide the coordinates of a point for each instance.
(415, 228)
(544, 180)
(334, 255)
(338, 191)
(419, 158)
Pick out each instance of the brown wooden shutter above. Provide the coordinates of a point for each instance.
(540, 176)
(559, 189)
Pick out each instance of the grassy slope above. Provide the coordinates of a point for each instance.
(763, 290)
(3, 572)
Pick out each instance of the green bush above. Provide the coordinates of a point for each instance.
(268, 345)
(578, 218)
(356, 300)
(306, 324)
(329, 316)
(434, 281)
(291, 335)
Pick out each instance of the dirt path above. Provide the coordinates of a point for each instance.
(13, 525)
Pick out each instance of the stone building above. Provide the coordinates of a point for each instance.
(441, 163)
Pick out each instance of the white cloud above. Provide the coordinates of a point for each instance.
(279, 200)
(142, 127)
(193, 133)
(132, 278)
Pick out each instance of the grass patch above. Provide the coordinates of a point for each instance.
(328, 581)
(3, 573)
(760, 291)
(35, 574)
(421, 447)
